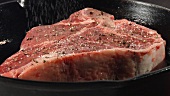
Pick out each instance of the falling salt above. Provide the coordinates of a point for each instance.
(4, 42)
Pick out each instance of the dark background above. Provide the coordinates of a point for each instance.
(165, 3)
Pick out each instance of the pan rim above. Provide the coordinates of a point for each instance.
(147, 4)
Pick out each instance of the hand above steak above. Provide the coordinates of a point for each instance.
(89, 45)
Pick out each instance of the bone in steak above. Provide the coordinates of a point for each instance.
(89, 45)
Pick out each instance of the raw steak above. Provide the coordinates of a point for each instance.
(90, 45)
(43, 39)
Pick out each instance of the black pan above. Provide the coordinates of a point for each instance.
(16, 19)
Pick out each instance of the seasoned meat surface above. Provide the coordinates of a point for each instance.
(89, 45)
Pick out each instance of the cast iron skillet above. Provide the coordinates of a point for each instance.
(15, 20)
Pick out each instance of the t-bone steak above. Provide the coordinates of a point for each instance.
(89, 45)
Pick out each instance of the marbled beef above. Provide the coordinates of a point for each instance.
(90, 45)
